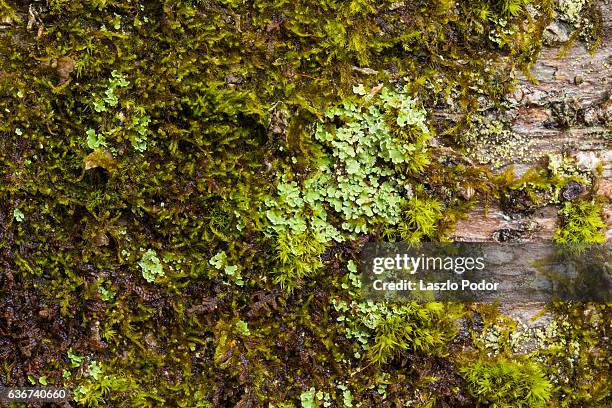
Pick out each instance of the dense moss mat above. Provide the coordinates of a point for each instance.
(143, 146)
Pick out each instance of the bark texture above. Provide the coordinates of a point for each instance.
(568, 110)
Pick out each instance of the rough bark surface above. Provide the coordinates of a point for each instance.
(568, 110)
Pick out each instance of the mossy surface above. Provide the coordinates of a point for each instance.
(156, 158)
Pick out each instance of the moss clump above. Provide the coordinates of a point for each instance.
(7, 14)
(581, 222)
(507, 383)
(419, 219)
(557, 180)
(384, 331)
(299, 256)
(98, 384)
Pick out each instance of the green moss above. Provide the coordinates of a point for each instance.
(7, 14)
(299, 256)
(581, 222)
(419, 219)
(506, 383)
(228, 139)
(576, 355)
(568, 348)
(383, 331)
(97, 386)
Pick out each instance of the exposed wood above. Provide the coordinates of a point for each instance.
(480, 227)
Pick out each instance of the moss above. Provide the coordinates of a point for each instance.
(384, 331)
(581, 222)
(576, 355)
(504, 383)
(148, 138)
(555, 180)
(299, 256)
(7, 14)
(420, 218)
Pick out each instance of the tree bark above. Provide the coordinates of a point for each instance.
(568, 110)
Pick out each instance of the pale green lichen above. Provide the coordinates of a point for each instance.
(151, 266)
(109, 102)
(18, 215)
(219, 261)
(307, 398)
(586, 19)
(363, 179)
(94, 141)
(371, 148)
(489, 141)
(110, 99)
(571, 10)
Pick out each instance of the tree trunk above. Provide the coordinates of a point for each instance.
(568, 110)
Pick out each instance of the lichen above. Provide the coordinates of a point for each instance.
(489, 141)
(362, 181)
(571, 10)
(585, 17)
(151, 266)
